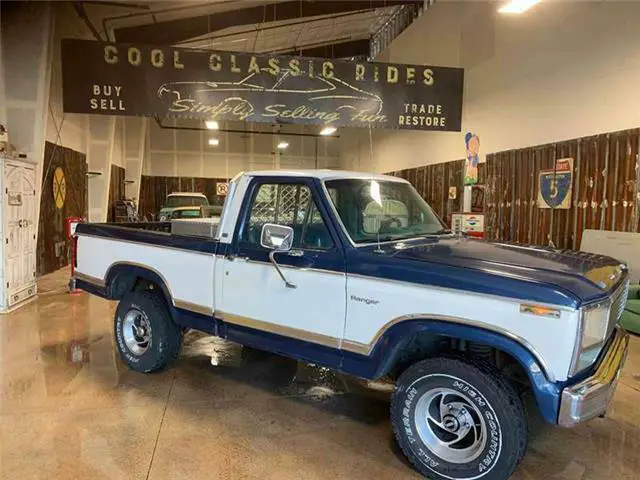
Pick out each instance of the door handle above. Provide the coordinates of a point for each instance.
(231, 258)
(296, 253)
(20, 223)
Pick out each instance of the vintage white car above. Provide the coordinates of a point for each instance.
(355, 272)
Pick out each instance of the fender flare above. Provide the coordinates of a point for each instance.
(389, 345)
(124, 268)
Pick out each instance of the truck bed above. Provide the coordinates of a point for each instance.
(181, 264)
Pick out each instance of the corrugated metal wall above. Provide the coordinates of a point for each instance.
(433, 182)
(606, 181)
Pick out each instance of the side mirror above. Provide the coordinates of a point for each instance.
(277, 238)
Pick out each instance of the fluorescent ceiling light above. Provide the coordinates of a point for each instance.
(517, 6)
(212, 125)
(283, 145)
(214, 142)
(328, 130)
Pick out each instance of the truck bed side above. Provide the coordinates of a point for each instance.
(184, 265)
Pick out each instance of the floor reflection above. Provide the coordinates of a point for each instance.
(70, 409)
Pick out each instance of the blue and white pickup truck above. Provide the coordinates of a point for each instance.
(355, 272)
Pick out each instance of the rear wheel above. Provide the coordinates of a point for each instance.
(147, 338)
(458, 420)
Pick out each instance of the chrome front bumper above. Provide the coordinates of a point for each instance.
(590, 398)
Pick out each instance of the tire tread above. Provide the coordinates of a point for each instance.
(501, 387)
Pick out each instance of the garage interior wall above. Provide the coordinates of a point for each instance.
(561, 70)
(107, 141)
(186, 153)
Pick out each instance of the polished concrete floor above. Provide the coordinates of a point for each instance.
(70, 410)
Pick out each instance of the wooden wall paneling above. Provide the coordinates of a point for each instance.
(411, 176)
(596, 175)
(116, 190)
(419, 185)
(565, 232)
(533, 196)
(186, 184)
(585, 181)
(634, 223)
(613, 187)
(438, 187)
(198, 185)
(630, 201)
(209, 188)
(173, 184)
(607, 181)
(551, 215)
(622, 203)
(512, 185)
(502, 192)
(520, 194)
(492, 195)
(52, 245)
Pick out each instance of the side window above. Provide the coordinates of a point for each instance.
(291, 205)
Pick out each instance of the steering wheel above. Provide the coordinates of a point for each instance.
(389, 223)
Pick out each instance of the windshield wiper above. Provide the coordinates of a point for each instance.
(442, 231)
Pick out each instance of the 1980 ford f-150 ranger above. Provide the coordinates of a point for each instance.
(355, 272)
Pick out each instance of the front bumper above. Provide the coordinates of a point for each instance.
(591, 397)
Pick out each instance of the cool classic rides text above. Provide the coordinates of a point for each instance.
(134, 56)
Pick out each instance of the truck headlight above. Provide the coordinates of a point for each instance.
(594, 323)
(594, 326)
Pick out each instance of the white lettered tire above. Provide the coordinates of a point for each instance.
(458, 419)
(146, 337)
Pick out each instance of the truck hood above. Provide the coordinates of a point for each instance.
(584, 276)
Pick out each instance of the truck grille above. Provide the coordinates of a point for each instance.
(618, 302)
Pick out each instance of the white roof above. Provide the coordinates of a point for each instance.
(324, 174)
(187, 194)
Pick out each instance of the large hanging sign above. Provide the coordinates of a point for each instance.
(555, 185)
(118, 79)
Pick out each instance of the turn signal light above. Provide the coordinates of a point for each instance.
(540, 310)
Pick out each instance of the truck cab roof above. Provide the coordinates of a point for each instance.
(324, 174)
(186, 194)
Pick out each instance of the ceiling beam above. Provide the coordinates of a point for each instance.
(352, 48)
(173, 31)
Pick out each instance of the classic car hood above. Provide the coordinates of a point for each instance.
(470, 253)
(583, 276)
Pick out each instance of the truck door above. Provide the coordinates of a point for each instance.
(258, 308)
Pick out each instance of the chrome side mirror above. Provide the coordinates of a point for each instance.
(277, 238)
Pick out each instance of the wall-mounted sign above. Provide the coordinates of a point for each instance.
(59, 188)
(119, 79)
(555, 185)
(222, 188)
(472, 158)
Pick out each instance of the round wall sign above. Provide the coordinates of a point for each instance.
(59, 188)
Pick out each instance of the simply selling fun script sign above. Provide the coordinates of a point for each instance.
(119, 79)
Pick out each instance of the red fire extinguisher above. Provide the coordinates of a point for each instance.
(70, 228)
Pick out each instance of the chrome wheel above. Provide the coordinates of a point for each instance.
(450, 425)
(136, 332)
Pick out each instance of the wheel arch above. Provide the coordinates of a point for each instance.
(390, 343)
(122, 277)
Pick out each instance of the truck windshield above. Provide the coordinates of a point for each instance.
(378, 210)
(185, 201)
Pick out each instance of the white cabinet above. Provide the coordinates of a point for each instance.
(18, 232)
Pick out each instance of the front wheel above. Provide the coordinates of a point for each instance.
(458, 420)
